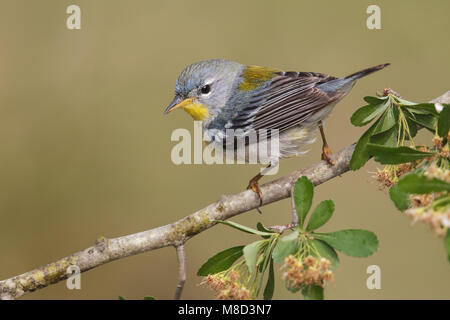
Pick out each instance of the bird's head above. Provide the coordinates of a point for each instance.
(203, 88)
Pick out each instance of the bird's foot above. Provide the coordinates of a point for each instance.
(326, 155)
(254, 186)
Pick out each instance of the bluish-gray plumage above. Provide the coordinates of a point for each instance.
(291, 102)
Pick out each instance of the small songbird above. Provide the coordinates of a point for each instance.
(228, 95)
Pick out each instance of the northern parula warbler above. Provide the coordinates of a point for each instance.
(225, 95)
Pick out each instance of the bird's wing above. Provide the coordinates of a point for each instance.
(289, 99)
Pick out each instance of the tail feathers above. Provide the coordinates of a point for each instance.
(345, 84)
(365, 72)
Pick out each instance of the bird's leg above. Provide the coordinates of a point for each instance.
(254, 185)
(326, 151)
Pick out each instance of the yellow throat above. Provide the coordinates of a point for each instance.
(197, 110)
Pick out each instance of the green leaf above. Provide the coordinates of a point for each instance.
(149, 298)
(285, 246)
(420, 184)
(263, 260)
(260, 262)
(388, 120)
(251, 254)
(266, 258)
(395, 155)
(353, 242)
(401, 199)
(313, 292)
(122, 298)
(375, 100)
(243, 228)
(441, 203)
(447, 244)
(387, 138)
(326, 251)
(405, 102)
(444, 121)
(365, 114)
(220, 261)
(270, 286)
(303, 195)
(412, 127)
(262, 228)
(425, 108)
(321, 214)
(427, 121)
(360, 155)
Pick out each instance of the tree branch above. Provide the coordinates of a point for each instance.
(177, 233)
(174, 234)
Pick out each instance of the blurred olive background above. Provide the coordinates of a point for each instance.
(85, 148)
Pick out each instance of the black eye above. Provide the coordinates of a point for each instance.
(205, 89)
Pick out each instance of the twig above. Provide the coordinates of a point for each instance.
(177, 233)
(181, 255)
(294, 221)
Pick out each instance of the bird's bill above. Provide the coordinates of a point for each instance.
(178, 103)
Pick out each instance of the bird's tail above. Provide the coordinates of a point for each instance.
(365, 72)
(345, 84)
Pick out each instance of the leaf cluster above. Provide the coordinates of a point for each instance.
(395, 123)
(303, 241)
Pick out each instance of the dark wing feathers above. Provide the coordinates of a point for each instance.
(289, 100)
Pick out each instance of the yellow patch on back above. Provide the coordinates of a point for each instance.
(198, 111)
(254, 76)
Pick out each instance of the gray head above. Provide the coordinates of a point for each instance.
(204, 87)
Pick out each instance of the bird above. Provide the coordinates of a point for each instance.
(225, 94)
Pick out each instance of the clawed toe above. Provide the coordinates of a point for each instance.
(254, 186)
(326, 155)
